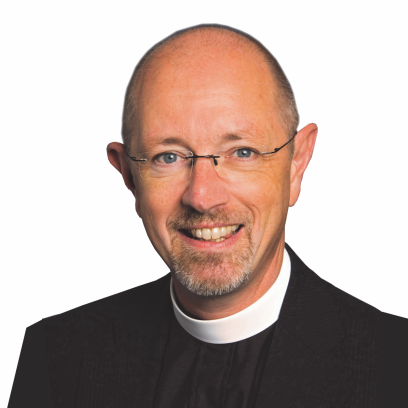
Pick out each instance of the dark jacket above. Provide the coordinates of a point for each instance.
(329, 349)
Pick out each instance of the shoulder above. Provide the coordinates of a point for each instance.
(347, 307)
(350, 306)
(374, 345)
(105, 308)
(392, 361)
(395, 323)
(92, 323)
(393, 338)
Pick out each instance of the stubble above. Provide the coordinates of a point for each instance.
(207, 273)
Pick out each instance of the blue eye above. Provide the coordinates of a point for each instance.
(168, 158)
(244, 153)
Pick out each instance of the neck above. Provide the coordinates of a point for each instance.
(218, 307)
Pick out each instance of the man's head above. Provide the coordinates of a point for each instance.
(212, 91)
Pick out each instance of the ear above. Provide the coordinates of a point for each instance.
(118, 159)
(304, 145)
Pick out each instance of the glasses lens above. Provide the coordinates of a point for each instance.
(240, 160)
(165, 165)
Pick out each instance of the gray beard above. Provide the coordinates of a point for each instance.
(225, 272)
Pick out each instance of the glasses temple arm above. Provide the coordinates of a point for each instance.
(279, 148)
(134, 158)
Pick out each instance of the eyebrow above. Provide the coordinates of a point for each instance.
(172, 141)
(230, 137)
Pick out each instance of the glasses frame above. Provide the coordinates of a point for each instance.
(211, 156)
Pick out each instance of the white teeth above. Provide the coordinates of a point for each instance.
(206, 233)
(213, 234)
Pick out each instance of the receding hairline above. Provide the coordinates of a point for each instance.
(222, 36)
(193, 41)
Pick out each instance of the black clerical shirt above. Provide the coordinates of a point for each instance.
(197, 374)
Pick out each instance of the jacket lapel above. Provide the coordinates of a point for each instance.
(126, 374)
(298, 372)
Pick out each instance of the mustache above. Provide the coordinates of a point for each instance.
(191, 217)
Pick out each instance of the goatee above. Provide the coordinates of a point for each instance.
(216, 273)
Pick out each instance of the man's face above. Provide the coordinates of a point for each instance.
(205, 105)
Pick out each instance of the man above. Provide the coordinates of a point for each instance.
(214, 159)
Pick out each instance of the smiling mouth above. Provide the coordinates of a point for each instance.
(217, 234)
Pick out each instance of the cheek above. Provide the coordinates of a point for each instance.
(155, 197)
(157, 202)
(263, 188)
(266, 194)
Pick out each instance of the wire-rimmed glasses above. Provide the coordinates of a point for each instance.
(177, 164)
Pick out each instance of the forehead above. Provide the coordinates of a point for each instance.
(206, 95)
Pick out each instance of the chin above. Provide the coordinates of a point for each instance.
(212, 268)
(212, 274)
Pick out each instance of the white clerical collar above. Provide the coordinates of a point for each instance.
(246, 323)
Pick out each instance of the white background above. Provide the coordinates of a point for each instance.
(69, 232)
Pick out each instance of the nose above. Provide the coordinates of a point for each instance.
(205, 190)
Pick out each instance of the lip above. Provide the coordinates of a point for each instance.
(210, 225)
(211, 245)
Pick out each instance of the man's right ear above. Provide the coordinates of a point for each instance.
(118, 159)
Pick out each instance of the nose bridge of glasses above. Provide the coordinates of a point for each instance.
(201, 167)
(214, 158)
